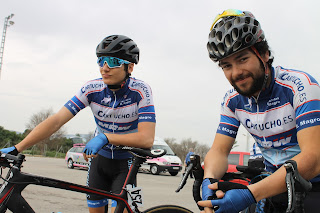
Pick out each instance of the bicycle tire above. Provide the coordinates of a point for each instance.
(167, 209)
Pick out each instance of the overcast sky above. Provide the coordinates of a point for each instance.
(50, 53)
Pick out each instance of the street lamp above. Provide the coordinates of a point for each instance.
(7, 24)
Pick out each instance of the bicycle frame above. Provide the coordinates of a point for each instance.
(10, 190)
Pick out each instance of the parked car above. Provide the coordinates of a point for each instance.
(237, 158)
(170, 162)
(74, 157)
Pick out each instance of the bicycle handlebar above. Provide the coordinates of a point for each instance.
(296, 184)
(15, 160)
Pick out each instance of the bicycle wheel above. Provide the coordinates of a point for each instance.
(167, 209)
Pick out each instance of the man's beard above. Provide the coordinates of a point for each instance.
(256, 86)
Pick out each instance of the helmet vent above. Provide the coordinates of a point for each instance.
(254, 30)
(227, 41)
(245, 28)
(237, 45)
(221, 49)
(247, 20)
(215, 49)
(248, 38)
(237, 21)
(235, 34)
(126, 40)
(256, 23)
(220, 24)
(228, 25)
(117, 47)
(219, 36)
(212, 34)
(212, 48)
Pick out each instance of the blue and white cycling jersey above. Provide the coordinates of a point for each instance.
(290, 104)
(255, 152)
(115, 112)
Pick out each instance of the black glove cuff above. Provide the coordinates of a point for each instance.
(212, 180)
(14, 152)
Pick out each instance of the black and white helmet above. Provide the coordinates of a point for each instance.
(119, 46)
(232, 34)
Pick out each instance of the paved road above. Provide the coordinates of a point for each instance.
(157, 189)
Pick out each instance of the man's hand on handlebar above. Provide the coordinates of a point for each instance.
(10, 150)
(232, 197)
(94, 145)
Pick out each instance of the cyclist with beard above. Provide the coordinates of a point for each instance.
(279, 107)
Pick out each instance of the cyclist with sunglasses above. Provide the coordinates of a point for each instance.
(279, 107)
(124, 113)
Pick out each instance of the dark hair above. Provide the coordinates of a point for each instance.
(126, 70)
(262, 48)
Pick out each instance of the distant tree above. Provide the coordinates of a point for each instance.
(181, 149)
(202, 150)
(170, 141)
(89, 136)
(55, 139)
(9, 138)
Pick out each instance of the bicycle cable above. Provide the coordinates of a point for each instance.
(261, 176)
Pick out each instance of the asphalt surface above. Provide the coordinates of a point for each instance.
(157, 189)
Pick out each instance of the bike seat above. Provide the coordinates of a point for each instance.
(144, 153)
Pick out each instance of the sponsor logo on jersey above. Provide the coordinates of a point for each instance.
(269, 124)
(297, 81)
(143, 87)
(274, 101)
(92, 86)
(113, 127)
(249, 105)
(276, 142)
(106, 100)
(125, 102)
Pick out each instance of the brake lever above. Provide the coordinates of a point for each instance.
(185, 177)
(295, 183)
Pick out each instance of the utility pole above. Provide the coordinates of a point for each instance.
(7, 24)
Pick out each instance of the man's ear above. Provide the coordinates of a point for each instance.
(266, 56)
(130, 68)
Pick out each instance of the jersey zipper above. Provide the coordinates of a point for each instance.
(264, 138)
(114, 103)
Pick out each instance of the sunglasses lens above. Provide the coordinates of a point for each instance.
(112, 62)
(232, 12)
(229, 12)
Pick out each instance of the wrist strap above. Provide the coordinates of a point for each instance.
(212, 180)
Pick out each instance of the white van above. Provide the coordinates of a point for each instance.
(169, 162)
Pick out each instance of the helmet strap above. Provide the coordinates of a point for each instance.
(265, 65)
